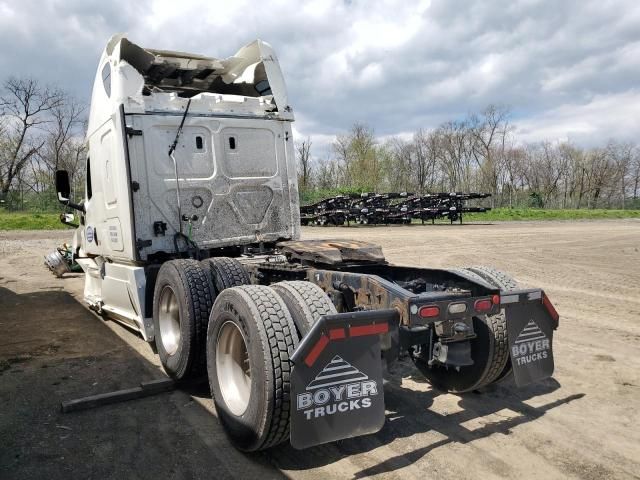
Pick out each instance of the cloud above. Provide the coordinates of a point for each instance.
(614, 116)
(567, 69)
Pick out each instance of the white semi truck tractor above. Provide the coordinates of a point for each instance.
(189, 233)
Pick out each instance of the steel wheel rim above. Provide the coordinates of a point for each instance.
(233, 368)
(169, 320)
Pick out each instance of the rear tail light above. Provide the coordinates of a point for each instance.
(495, 299)
(429, 311)
(483, 305)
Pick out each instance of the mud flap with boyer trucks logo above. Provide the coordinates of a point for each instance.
(531, 320)
(336, 381)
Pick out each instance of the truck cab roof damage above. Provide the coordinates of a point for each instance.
(149, 80)
(189, 75)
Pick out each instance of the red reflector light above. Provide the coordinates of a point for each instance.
(429, 311)
(483, 305)
(495, 299)
(550, 308)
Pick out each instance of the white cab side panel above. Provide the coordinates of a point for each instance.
(108, 225)
(237, 176)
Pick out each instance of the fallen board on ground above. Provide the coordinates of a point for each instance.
(145, 389)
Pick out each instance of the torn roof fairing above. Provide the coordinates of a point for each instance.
(141, 77)
(190, 74)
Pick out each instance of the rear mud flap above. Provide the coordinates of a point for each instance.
(531, 320)
(336, 381)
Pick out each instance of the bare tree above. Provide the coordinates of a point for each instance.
(635, 173)
(489, 131)
(27, 105)
(425, 146)
(399, 170)
(341, 148)
(65, 125)
(514, 166)
(327, 174)
(303, 151)
(453, 145)
(622, 157)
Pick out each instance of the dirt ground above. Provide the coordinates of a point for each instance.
(582, 423)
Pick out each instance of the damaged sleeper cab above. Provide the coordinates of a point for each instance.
(189, 233)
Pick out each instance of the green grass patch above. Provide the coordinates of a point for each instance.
(30, 221)
(51, 221)
(507, 214)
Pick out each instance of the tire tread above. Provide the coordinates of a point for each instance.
(498, 322)
(226, 272)
(281, 336)
(306, 300)
(198, 299)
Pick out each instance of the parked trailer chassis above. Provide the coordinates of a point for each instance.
(390, 208)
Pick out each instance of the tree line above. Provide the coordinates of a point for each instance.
(42, 130)
(479, 153)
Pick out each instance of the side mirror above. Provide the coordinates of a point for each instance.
(62, 185)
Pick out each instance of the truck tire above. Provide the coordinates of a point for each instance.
(506, 283)
(250, 339)
(495, 277)
(306, 302)
(489, 350)
(225, 273)
(182, 298)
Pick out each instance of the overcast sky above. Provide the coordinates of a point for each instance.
(567, 69)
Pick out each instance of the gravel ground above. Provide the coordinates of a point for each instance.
(582, 423)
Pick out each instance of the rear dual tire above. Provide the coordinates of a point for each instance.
(306, 302)
(245, 343)
(225, 273)
(250, 339)
(489, 350)
(505, 283)
(183, 296)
